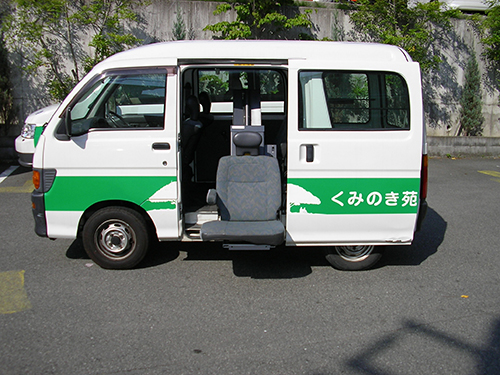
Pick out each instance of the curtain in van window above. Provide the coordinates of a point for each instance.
(342, 100)
(314, 105)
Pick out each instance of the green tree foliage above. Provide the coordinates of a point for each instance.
(7, 109)
(416, 28)
(471, 117)
(8, 117)
(491, 26)
(258, 19)
(179, 29)
(46, 34)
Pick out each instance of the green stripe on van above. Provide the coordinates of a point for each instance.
(38, 133)
(159, 205)
(79, 193)
(343, 196)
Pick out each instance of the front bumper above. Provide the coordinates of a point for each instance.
(38, 206)
(26, 160)
(25, 148)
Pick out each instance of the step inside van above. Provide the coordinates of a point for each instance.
(253, 144)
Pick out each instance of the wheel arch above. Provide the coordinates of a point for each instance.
(116, 203)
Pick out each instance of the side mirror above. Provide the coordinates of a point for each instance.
(76, 128)
(67, 122)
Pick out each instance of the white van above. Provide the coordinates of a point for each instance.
(33, 126)
(254, 144)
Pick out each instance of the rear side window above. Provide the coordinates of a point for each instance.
(343, 100)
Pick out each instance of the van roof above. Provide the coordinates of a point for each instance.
(171, 53)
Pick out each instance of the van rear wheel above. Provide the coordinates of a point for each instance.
(116, 237)
(354, 258)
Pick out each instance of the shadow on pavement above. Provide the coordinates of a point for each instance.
(284, 262)
(486, 357)
(76, 251)
(158, 254)
(278, 263)
(21, 170)
(425, 244)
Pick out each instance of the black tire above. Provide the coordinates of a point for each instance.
(116, 237)
(354, 258)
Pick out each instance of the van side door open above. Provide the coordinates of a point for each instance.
(353, 177)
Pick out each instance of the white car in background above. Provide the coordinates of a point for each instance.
(33, 127)
(468, 5)
(464, 5)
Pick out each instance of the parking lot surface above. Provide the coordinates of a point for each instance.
(429, 308)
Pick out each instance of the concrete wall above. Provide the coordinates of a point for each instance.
(441, 89)
(463, 146)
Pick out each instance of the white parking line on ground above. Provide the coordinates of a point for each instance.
(7, 172)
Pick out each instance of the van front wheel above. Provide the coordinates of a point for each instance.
(354, 258)
(116, 237)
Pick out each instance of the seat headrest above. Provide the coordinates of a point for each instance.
(247, 139)
(205, 101)
(234, 81)
(193, 107)
(247, 143)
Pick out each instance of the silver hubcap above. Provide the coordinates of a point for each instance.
(354, 253)
(115, 238)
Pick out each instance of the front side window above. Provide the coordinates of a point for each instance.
(340, 100)
(123, 102)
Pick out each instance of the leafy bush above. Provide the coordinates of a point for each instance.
(259, 19)
(415, 29)
(47, 34)
(7, 109)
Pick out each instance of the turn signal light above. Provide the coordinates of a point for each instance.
(36, 179)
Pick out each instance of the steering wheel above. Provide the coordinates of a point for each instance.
(117, 121)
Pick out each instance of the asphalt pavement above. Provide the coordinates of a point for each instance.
(429, 308)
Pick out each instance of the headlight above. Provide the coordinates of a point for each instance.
(28, 131)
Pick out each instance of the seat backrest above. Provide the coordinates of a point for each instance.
(190, 130)
(205, 116)
(236, 89)
(192, 109)
(248, 188)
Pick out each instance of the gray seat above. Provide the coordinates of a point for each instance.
(248, 194)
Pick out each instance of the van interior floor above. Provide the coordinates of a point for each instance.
(194, 219)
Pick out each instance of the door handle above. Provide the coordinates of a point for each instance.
(309, 153)
(161, 146)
